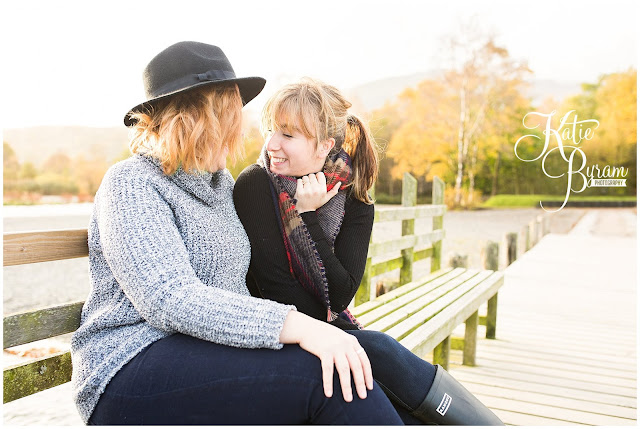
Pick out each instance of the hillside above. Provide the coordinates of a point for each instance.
(36, 144)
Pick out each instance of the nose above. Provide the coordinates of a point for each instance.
(273, 144)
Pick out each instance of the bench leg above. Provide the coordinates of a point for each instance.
(492, 316)
(441, 353)
(470, 340)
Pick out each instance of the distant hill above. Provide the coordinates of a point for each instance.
(36, 144)
(373, 95)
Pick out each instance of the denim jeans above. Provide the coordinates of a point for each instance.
(404, 377)
(184, 380)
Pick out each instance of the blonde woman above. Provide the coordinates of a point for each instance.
(169, 333)
(307, 212)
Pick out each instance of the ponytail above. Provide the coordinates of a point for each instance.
(360, 145)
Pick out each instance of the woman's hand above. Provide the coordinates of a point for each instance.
(333, 347)
(311, 192)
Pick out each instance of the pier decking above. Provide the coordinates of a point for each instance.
(565, 352)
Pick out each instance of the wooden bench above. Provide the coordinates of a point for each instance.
(421, 314)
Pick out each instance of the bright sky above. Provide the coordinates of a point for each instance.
(72, 63)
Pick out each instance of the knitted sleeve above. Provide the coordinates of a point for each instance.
(146, 254)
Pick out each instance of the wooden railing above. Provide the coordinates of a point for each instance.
(412, 247)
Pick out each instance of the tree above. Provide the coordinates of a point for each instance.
(10, 164)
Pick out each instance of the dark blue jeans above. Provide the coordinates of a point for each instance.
(404, 377)
(183, 380)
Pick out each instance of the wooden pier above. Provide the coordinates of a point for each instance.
(565, 352)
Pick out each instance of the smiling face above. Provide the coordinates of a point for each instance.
(293, 154)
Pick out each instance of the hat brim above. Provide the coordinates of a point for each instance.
(249, 88)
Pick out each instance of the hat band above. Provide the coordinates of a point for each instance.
(190, 80)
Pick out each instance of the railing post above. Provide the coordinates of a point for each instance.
(523, 240)
(363, 294)
(532, 235)
(491, 263)
(512, 247)
(441, 353)
(437, 198)
(409, 199)
(470, 340)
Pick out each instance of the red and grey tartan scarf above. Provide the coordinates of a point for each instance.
(305, 263)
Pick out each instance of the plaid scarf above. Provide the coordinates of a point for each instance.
(305, 263)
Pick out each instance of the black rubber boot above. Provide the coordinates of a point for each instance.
(449, 403)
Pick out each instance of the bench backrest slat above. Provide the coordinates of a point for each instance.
(23, 380)
(43, 246)
(36, 325)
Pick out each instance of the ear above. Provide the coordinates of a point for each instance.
(325, 147)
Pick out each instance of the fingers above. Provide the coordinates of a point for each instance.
(358, 372)
(366, 369)
(344, 372)
(327, 375)
(332, 193)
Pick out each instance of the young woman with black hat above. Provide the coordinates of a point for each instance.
(307, 212)
(169, 333)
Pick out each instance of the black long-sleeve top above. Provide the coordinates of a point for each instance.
(269, 276)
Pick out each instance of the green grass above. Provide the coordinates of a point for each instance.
(534, 200)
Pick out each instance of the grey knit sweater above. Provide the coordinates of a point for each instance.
(166, 254)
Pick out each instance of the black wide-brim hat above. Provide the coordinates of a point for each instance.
(188, 65)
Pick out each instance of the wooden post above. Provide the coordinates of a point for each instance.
(363, 294)
(470, 340)
(539, 228)
(409, 199)
(491, 263)
(524, 240)
(532, 235)
(441, 353)
(512, 248)
(437, 198)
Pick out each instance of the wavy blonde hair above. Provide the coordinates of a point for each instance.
(319, 111)
(191, 130)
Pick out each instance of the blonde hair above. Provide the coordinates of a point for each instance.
(319, 111)
(191, 129)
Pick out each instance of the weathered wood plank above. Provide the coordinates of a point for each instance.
(574, 416)
(391, 214)
(22, 328)
(552, 400)
(557, 382)
(448, 303)
(383, 318)
(24, 380)
(409, 199)
(437, 197)
(426, 337)
(470, 340)
(577, 365)
(42, 246)
(472, 375)
(569, 347)
(511, 418)
(589, 360)
(396, 245)
(442, 352)
(359, 310)
(562, 373)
